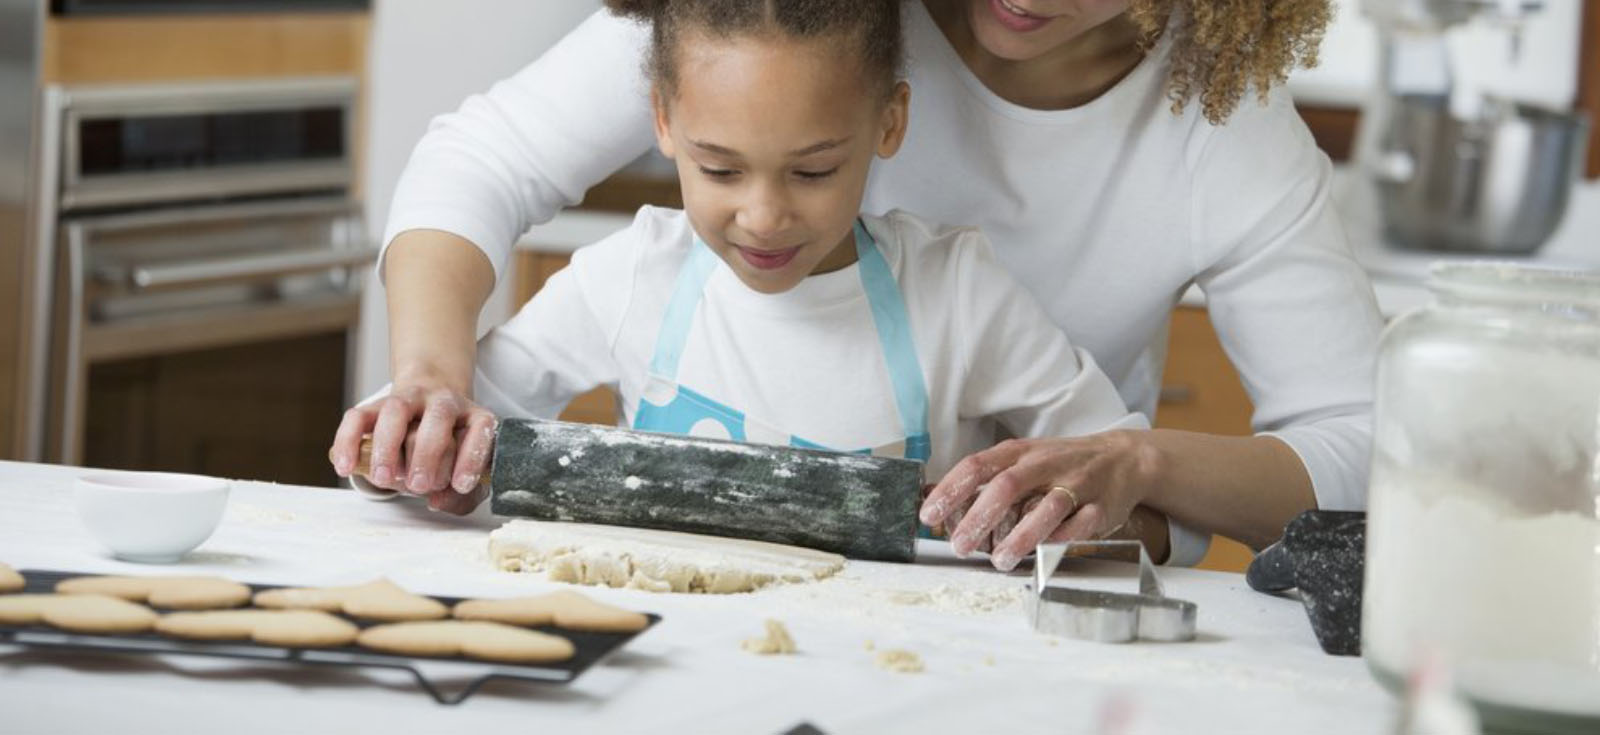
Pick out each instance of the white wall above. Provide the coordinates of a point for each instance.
(427, 56)
(1543, 72)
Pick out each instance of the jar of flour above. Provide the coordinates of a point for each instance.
(1483, 538)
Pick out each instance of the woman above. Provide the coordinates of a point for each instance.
(1115, 151)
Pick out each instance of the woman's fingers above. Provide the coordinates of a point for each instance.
(346, 450)
(388, 439)
(958, 486)
(472, 457)
(1050, 512)
(1006, 489)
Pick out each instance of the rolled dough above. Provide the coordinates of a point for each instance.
(658, 561)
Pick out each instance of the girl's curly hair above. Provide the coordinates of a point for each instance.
(1223, 48)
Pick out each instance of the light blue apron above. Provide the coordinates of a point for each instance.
(671, 408)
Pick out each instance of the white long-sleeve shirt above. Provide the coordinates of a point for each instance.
(807, 360)
(1106, 212)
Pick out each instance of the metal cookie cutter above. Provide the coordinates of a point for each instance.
(1108, 617)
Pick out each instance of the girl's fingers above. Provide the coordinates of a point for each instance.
(958, 486)
(1049, 512)
(388, 438)
(346, 449)
(433, 446)
(472, 456)
(454, 503)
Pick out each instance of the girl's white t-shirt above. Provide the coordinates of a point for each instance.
(809, 360)
(1106, 212)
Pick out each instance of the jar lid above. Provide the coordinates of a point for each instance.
(1507, 282)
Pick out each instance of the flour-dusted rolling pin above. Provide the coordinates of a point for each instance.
(860, 506)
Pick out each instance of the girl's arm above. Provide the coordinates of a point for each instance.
(431, 359)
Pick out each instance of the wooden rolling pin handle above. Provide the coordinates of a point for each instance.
(364, 458)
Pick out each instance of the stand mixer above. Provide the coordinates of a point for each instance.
(1458, 169)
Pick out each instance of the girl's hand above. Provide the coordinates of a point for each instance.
(426, 439)
(1078, 488)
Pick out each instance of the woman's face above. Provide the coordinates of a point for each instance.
(1021, 30)
(773, 140)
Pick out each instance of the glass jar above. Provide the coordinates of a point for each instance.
(1483, 537)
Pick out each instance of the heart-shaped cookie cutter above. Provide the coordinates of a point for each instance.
(1108, 617)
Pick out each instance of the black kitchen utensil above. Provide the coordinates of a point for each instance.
(1321, 554)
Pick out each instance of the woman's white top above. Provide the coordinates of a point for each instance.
(1105, 212)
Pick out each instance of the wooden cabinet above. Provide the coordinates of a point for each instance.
(1201, 392)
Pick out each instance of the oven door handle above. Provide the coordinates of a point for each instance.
(219, 270)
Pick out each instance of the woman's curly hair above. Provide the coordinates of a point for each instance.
(1223, 48)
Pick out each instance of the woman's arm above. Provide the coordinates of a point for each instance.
(1296, 314)
(480, 177)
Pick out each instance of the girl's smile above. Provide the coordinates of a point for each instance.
(767, 260)
(773, 139)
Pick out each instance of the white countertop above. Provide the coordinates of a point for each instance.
(1255, 668)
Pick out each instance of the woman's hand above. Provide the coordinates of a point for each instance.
(1060, 489)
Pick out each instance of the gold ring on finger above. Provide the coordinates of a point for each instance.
(1072, 497)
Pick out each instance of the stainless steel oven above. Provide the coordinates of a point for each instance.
(204, 243)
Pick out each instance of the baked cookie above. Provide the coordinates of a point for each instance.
(287, 628)
(379, 600)
(564, 609)
(470, 638)
(10, 581)
(172, 593)
(77, 613)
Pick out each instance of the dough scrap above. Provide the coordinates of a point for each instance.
(899, 660)
(380, 600)
(471, 638)
(656, 561)
(172, 593)
(776, 641)
(287, 628)
(77, 613)
(10, 581)
(564, 609)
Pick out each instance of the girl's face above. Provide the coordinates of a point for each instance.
(773, 139)
(1020, 30)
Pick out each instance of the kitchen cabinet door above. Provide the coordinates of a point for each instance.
(1201, 392)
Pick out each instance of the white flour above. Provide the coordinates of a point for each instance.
(1512, 599)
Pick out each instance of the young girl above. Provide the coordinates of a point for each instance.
(769, 309)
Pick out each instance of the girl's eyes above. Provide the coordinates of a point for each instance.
(816, 175)
(724, 174)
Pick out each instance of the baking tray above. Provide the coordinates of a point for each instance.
(428, 671)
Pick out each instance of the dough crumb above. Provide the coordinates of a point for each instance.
(988, 660)
(870, 645)
(777, 641)
(899, 660)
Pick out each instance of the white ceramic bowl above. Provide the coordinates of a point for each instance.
(153, 517)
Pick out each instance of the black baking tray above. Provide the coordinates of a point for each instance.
(428, 671)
